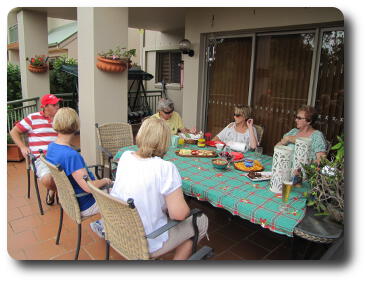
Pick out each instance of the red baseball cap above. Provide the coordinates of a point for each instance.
(49, 99)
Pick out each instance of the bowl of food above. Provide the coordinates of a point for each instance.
(220, 163)
(249, 162)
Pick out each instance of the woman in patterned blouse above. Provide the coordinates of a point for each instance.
(305, 119)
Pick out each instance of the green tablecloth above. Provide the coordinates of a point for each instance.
(233, 191)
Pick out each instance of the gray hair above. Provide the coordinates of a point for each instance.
(165, 104)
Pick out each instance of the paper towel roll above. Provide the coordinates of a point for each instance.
(238, 146)
(281, 168)
(301, 154)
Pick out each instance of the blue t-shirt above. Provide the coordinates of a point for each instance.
(70, 161)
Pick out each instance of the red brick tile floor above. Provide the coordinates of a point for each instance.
(31, 236)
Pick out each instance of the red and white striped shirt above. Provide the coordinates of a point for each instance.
(40, 131)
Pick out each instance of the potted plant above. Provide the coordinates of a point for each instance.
(117, 60)
(13, 151)
(326, 194)
(38, 64)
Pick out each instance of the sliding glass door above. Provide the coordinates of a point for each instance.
(276, 73)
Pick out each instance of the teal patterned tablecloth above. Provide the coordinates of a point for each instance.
(232, 190)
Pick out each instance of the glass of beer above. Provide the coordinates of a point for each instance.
(286, 191)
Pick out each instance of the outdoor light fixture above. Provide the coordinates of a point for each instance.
(185, 47)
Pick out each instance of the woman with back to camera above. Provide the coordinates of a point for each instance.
(155, 186)
(241, 133)
(305, 119)
(66, 123)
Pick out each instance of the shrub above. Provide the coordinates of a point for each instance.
(61, 82)
(14, 83)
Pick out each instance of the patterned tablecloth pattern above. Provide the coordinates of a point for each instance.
(231, 190)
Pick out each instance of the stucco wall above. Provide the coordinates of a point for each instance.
(200, 20)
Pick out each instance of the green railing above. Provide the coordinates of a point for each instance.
(148, 105)
(18, 109)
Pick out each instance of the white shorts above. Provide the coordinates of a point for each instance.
(182, 232)
(41, 168)
(90, 211)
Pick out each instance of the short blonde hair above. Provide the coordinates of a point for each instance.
(66, 121)
(153, 138)
(243, 110)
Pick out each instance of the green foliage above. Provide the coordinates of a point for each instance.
(14, 84)
(119, 53)
(327, 183)
(61, 82)
(9, 139)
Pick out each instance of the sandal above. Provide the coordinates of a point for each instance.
(50, 199)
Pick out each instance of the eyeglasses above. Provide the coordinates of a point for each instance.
(168, 112)
(300, 118)
(237, 115)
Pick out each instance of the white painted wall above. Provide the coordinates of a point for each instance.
(199, 21)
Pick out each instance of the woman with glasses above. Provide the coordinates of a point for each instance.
(240, 134)
(166, 112)
(305, 119)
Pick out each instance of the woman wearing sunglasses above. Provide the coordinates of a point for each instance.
(166, 112)
(241, 134)
(305, 119)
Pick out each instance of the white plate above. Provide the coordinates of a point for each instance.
(265, 175)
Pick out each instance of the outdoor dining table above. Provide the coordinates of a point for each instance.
(233, 191)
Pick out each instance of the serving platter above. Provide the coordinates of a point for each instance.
(195, 153)
(257, 167)
(264, 176)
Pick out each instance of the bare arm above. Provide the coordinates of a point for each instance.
(286, 140)
(176, 205)
(78, 176)
(16, 135)
(253, 138)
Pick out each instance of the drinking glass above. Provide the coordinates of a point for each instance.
(258, 152)
(286, 191)
(181, 141)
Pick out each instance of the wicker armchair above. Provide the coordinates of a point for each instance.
(260, 132)
(124, 230)
(68, 201)
(111, 137)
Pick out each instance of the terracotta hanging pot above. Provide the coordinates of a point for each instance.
(38, 69)
(109, 65)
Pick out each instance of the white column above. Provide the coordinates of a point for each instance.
(33, 40)
(102, 95)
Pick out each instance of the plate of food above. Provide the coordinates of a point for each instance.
(256, 167)
(258, 177)
(196, 153)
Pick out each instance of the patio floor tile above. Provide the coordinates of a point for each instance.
(31, 236)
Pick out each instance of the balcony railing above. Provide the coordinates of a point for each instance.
(18, 109)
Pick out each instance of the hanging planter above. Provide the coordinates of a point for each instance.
(115, 61)
(38, 69)
(111, 65)
(38, 64)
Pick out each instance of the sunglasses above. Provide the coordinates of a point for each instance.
(168, 112)
(300, 118)
(237, 115)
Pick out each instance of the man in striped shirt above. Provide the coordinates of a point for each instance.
(38, 127)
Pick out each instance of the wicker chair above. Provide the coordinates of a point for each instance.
(124, 230)
(260, 132)
(68, 201)
(111, 137)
